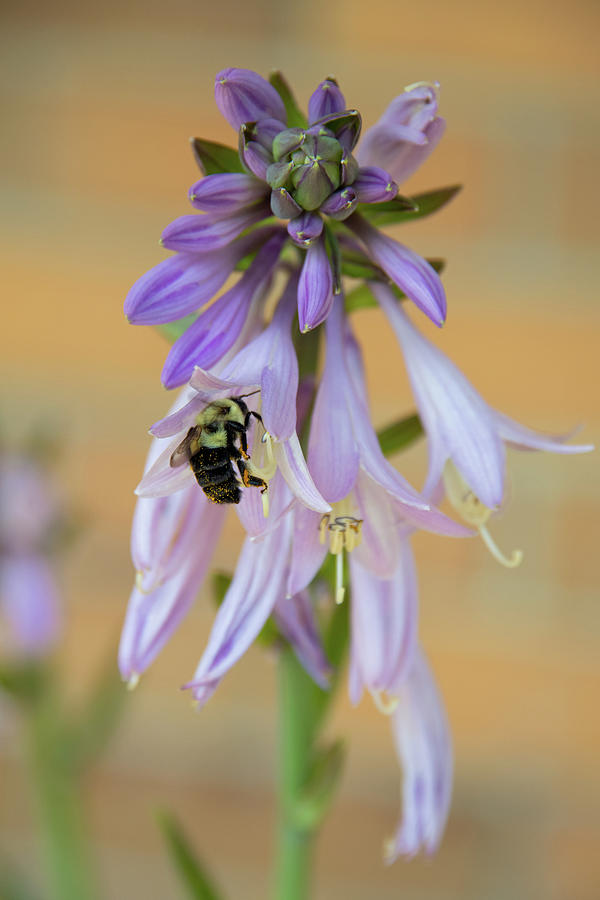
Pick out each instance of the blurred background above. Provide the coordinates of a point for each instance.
(98, 103)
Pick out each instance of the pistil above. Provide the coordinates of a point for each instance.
(475, 513)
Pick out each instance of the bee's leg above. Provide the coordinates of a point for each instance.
(241, 430)
(249, 480)
(249, 414)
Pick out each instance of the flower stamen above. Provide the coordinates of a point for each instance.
(344, 533)
(385, 704)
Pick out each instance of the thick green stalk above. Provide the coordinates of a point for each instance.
(56, 787)
(296, 838)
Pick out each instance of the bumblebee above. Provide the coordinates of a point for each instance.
(211, 447)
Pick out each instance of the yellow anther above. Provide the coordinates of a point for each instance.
(385, 704)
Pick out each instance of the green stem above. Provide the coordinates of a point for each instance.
(294, 857)
(59, 809)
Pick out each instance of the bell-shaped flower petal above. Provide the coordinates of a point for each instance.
(374, 185)
(459, 423)
(227, 193)
(244, 96)
(413, 275)
(153, 616)
(325, 100)
(296, 620)
(185, 282)
(405, 134)
(257, 585)
(202, 233)
(341, 432)
(214, 332)
(523, 438)
(384, 624)
(315, 288)
(308, 551)
(424, 748)
(29, 603)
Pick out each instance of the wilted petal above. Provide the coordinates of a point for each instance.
(244, 96)
(424, 748)
(384, 624)
(227, 193)
(296, 620)
(374, 185)
(457, 420)
(410, 272)
(315, 288)
(325, 100)
(202, 233)
(257, 585)
(29, 602)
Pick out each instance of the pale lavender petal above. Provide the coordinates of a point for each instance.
(380, 546)
(244, 96)
(315, 288)
(152, 617)
(203, 233)
(214, 332)
(374, 185)
(325, 100)
(524, 438)
(290, 460)
(161, 479)
(384, 624)
(413, 275)
(332, 448)
(227, 193)
(257, 585)
(296, 620)
(405, 135)
(459, 423)
(29, 601)
(424, 748)
(308, 552)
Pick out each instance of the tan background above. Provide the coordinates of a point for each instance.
(98, 103)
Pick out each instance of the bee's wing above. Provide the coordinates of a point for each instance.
(181, 455)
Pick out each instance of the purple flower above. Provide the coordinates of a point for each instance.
(29, 513)
(303, 176)
(466, 436)
(424, 749)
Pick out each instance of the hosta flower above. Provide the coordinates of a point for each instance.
(306, 176)
(466, 437)
(29, 515)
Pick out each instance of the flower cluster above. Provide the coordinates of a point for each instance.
(303, 198)
(30, 514)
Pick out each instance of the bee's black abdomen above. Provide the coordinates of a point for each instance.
(215, 475)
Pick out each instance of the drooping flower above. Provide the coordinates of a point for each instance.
(466, 436)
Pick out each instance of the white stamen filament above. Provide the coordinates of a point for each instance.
(343, 531)
(265, 503)
(475, 513)
(133, 682)
(385, 705)
(340, 590)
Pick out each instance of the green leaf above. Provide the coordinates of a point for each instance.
(362, 297)
(400, 434)
(335, 259)
(24, 681)
(393, 212)
(314, 797)
(214, 159)
(192, 872)
(295, 116)
(173, 330)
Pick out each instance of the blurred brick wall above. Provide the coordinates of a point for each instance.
(98, 104)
